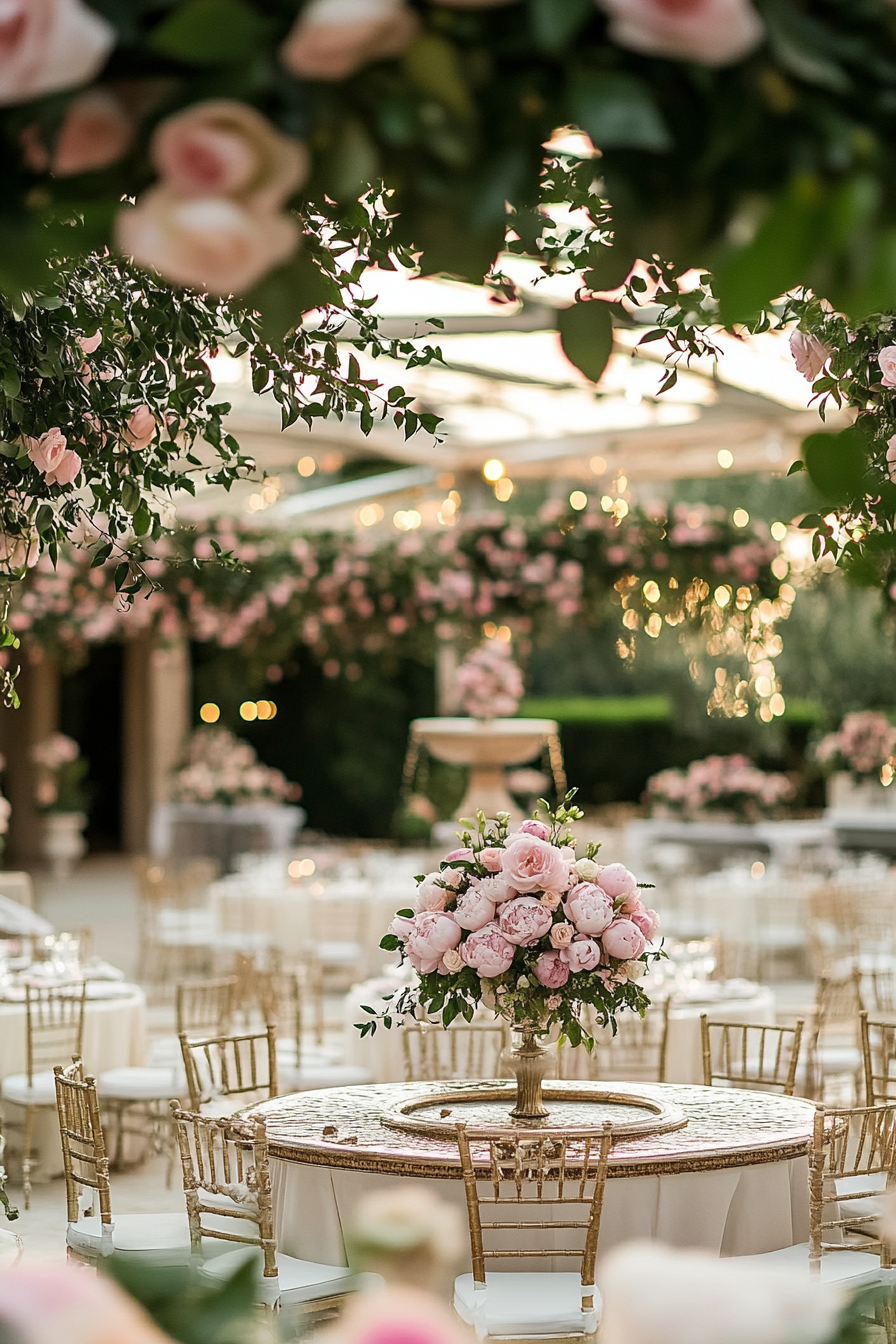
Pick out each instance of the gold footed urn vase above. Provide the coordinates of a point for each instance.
(529, 1062)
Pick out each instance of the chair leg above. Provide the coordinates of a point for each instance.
(26, 1157)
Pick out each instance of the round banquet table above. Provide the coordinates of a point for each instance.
(733, 1180)
(114, 1036)
(381, 1054)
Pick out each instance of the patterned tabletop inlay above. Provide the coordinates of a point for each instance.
(343, 1127)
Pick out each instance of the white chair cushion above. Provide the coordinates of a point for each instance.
(525, 1304)
(846, 1267)
(297, 1281)
(42, 1091)
(142, 1084)
(310, 1077)
(157, 1238)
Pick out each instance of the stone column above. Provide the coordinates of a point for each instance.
(20, 729)
(447, 663)
(156, 723)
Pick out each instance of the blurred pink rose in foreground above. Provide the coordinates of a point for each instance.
(57, 463)
(809, 354)
(531, 864)
(46, 45)
(214, 245)
(524, 920)
(887, 361)
(97, 131)
(488, 951)
(710, 32)
(222, 147)
(141, 427)
(551, 971)
(623, 940)
(333, 38)
(48, 1303)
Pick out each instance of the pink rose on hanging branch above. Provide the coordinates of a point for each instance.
(48, 45)
(97, 131)
(710, 32)
(809, 354)
(334, 38)
(57, 463)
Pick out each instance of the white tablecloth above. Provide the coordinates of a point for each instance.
(114, 1036)
(734, 1211)
(382, 1052)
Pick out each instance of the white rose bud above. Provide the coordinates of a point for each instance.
(587, 869)
(632, 970)
(452, 961)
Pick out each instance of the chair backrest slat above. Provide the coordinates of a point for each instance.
(204, 1007)
(847, 1144)
(231, 1066)
(749, 1055)
(636, 1052)
(54, 1025)
(465, 1050)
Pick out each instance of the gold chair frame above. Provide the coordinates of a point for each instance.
(849, 1142)
(433, 1054)
(637, 1052)
(231, 1066)
(878, 1052)
(744, 1064)
(84, 1158)
(204, 1007)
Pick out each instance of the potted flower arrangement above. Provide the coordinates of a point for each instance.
(515, 921)
(861, 756)
(489, 682)
(60, 794)
(721, 787)
(221, 768)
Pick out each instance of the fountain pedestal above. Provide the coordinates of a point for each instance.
(486, 746)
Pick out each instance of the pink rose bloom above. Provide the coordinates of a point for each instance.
(451, 963)
(401, 927)
(141, 428)
(531, 864)
(90, 343)
(434, 933)
(47, 45)
(583, 954)
(524, 920)
(561, 935)
(43, 1303)
(57, 463)
(809, 354)
(887, 361)
(551, 971)
(453, 876)
(624, 940)
(648, 921)
(332, 39)
(491, 859)
(465, 855)
(225, 148)
(537, 828)
(474, 910)
(551, 899)
(496, 888)
(589, 907)
(214, 245)
(97, 131)
(488, 952)
(616, 880)
(711, 32)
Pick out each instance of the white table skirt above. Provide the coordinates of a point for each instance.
(382, 1053)
(733, 1211)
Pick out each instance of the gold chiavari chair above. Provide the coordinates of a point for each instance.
(465, 1050)
(521, 1174)
(758, 1056)
(877, 989)
(176, 925)
(834, 1049)
(311, 976)
(299, 1069)
(878, 1059)
(852, 1164)
(227, 1185)
(637, 1053)
(54, 1030)
(204, 1007)
(225, 1073)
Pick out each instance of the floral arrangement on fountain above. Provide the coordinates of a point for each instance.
(515, 921)
(863, 744)
(221, 768)
(719, 783)
(489, 681)
(60, 774)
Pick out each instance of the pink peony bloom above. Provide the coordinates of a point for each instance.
(488, 952)
(589, 907)
(537, 828)
(43, 1303)
(524, 920)
(225, 148)
(648, 921)
(496, 888)
(531, 864)
(433, 934)
(401, 927)
(491, 859)
(214, 245)
(474, 910)
(96, 132)
(809, 354)
(57, 463)
(561, 935)
(710, 32)
(464, 855)
(616, 880)
(430, 895)
(141, 428)
(332, 39)
(551, 971)
(47, 45)
(887, 361)
(583, 954)
(624, 940)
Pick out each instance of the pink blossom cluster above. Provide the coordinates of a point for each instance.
(719, 782)
(864, 742)
(222, 769)
(489, 682)
(521, 909)
(55, 751)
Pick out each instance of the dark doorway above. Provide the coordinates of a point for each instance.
(90, 712)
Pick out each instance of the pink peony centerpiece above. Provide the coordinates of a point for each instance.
(516, 921)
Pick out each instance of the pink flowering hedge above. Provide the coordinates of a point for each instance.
(515, 920)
